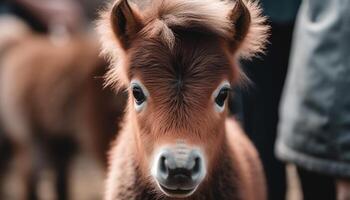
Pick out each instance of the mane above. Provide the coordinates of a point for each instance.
(161, 17)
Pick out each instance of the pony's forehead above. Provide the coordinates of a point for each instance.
(195, 59)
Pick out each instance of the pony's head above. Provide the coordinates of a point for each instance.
(178, 59)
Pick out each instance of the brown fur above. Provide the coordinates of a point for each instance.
(51, 100)
(181, 51)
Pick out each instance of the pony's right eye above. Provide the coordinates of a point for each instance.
(138, 94)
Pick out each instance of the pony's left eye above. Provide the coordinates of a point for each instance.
(221, 97)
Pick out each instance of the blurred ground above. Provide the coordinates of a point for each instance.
(86, 184)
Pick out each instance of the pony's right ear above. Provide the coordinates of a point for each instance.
(126, 22)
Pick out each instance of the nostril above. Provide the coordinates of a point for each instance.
(197, 167)
(162, 165)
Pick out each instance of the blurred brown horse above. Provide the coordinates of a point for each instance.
(51, 101)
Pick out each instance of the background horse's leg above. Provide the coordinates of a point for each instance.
(28, 167)
(62, 150)
(61, 182)
(5, 157)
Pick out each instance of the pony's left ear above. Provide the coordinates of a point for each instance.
(249, 28)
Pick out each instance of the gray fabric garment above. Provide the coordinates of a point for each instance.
(280, 11)
(314, 129)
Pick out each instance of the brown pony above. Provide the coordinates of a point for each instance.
(51, 101)
(178, 59)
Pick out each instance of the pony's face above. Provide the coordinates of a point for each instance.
(177, 60)
(178, 98)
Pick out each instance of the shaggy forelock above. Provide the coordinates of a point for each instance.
(208, 15)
